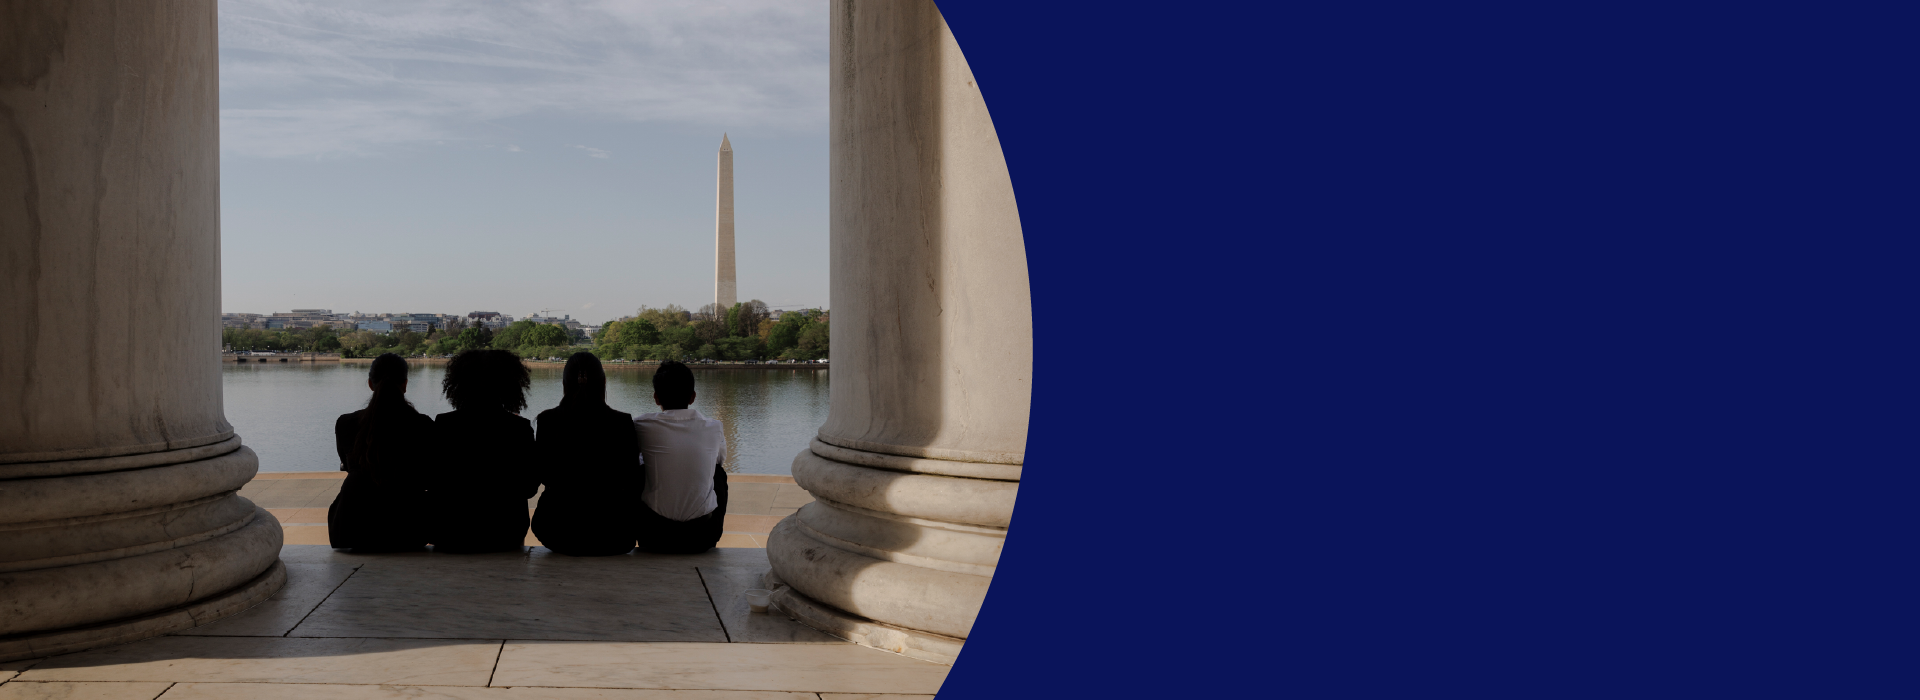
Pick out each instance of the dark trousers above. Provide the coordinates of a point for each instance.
(662, 535)
(477, 522)
(371, 518)
(585, 526)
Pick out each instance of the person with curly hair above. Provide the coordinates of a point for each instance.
(488, 471)
(381, 503)
(590, 463)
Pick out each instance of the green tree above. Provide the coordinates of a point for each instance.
(707, 352)
(665, 318)
(640, 331)
(744, 319)
(514, 335)
(358, 341)
(814, 340)
(473, 338)
(707, 331)
(738, 349)
(547, 335)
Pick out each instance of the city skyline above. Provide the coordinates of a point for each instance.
(521, 158)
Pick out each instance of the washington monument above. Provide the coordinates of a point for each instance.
(724, 292)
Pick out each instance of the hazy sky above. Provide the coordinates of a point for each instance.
(452, 156)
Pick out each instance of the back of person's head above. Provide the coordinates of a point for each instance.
(388, 373)
(583, 382)
(388, 378)
(487, 378)
(673, 385)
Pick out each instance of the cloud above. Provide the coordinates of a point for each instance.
(347, 78)
(596, 152)
(512, 148)
(588, 305)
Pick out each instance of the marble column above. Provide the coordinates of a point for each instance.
(916, 469)
(724, 292)
(118, 470)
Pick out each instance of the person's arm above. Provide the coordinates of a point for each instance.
(640, 462)
(527, 457)
(635, 476)
(343, 438)
(547, 441)
(410, 472)
(720, 475)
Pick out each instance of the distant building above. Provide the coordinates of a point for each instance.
(375, 326)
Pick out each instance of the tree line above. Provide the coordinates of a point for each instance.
(744, 331)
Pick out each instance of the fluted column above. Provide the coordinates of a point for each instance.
(915, 472)
(118, 470)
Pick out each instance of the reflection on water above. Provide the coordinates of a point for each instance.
(285, 412)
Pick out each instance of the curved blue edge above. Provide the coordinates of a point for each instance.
(1521, 350)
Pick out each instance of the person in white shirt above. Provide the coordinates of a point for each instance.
(683, 505)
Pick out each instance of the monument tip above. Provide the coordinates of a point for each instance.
(724, 146)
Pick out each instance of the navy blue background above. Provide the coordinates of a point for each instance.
(1507, 351)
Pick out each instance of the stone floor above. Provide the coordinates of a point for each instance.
(755, 502)
(491, 626)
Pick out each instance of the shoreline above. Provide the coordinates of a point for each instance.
(621, 365)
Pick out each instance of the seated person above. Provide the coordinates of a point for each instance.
(683, 504)
(380, 504)
(484, 471)
(589, 456)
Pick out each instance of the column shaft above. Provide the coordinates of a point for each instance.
(118, 469)
(917, 467)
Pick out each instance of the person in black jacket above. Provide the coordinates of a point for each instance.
(486, 471)
(590, 462)
(381, 503)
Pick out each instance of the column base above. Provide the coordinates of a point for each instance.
(922, 645)
(200, 612)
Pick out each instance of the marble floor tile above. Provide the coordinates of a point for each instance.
(9, 668)
(749, 487)
(750, 503)
(791, 499)
(61, 690)
(302, 516)
(518, 598)
(737, 540)
(278, 660)
(305, 534)
(728, 585)
(246, 691)
(714, 557)
(760, 524)
(307, 585)
(319, 554)
(819, 668)
(758, 478)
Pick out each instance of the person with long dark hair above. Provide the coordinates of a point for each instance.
(683, 503)
(590, 463)
(381, 503)
(486, 471)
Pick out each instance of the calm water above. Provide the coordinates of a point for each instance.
(286, 412)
